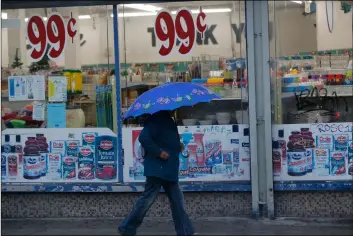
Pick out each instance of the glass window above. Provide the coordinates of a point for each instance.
(156, 48)
(312, 89)
(86, 59)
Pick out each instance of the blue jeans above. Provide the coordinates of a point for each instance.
(153, 185)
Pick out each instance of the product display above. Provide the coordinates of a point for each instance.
(219, 152)
(312, 152)
(47, 158)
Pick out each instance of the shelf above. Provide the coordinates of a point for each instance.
(231, 99)
(137, 84)
(84, 102)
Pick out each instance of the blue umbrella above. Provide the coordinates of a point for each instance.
(170, 96)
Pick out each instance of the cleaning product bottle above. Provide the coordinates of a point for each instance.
(200, 155)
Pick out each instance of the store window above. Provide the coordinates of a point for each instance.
(58, 104)
(86, 59)
(174, 47)
(312, 90)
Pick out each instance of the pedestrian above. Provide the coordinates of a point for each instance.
(161, 143)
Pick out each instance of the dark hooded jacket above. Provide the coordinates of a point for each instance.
(160, 133)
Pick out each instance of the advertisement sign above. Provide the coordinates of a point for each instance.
(310, 152)
(58, 155)
(218, 152)
(52, 33)
(26, 88)
(179, 33)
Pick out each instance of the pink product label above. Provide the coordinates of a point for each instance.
(309, 159)
(88, 138)
(58, 146)
(276, 161)
(341, 142)
(325, 141)
(69, 167)
(338, 163)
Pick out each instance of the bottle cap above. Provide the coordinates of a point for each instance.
(18, 138)
(39, 135)
(7, 138)
(281, 133)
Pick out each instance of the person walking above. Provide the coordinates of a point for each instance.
(161, 142)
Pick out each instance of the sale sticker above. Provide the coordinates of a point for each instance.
(183, 29)
(48, 37)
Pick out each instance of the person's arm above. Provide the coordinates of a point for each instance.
(146, 140)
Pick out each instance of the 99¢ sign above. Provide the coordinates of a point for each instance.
(52, 33)
(183, 28)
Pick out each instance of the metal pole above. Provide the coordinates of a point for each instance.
(118, 95)
(263, 106)
(266, 99)
(249, 23)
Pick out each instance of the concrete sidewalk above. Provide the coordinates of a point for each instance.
(161, 226)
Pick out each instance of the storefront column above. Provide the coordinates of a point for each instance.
(260, 106)
(333, 26)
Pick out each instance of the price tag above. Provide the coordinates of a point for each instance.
(183, 29)
(52, 33)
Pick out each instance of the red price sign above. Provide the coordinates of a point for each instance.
(53, 34)
(183, 29)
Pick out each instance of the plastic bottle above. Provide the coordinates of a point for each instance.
(43, 150)
(32, 168)
(276, 158)
(3, 164)
(19, 151)
(6, 145)
(200, 154)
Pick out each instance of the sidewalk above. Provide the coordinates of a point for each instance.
(161, 226)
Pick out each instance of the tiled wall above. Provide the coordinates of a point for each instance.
(204, 204)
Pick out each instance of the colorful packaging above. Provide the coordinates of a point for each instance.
(86, 163)
(341, 142)
(32, 165)
(72, 148)
(3, 165)
(106, 157)
(54, 166)
(296, 162)
(69, 167)
(88, 138)
(350, 157)
(227, 156)
(309, 159)
(338, 163)
(12, 164)
(321, 162)
(58, 146)
(324, 142)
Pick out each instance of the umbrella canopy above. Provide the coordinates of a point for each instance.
(170, 96)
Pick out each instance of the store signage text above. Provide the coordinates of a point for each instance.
(52, 33)
(209, 36)
(183, 29)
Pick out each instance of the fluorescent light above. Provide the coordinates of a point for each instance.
(134, 14)
(3, 15)
(299, 2)
(143, 7)
(84, 17)
(215, 10)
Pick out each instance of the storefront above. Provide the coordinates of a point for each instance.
(281, 129)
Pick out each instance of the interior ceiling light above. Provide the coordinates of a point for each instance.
(3, 15)
(215, 10)
(299, 2)
(143, 7)
(134, 14)
(84, 17)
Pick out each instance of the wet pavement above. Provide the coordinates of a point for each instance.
(164, 226)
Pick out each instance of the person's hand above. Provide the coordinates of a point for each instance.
(164, 155)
